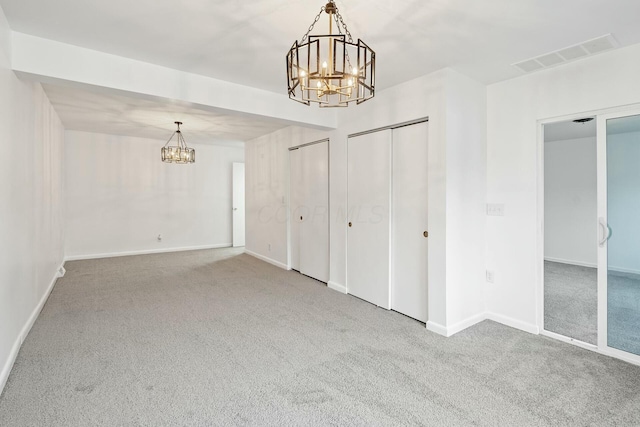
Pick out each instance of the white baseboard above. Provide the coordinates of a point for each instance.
(437, 328)
(146, 252)
(8, 365)
(466, 323)
(337, 287)
(571, 262)
(448, 331)
(514, 323)
(266, 259)
(623, 270)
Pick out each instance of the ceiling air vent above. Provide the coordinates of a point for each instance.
(568, 54)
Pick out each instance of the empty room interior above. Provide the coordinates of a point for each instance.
(340, 212)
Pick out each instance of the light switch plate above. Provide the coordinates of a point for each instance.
(495, 209)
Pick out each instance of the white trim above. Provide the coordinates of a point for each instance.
(568, 340)
(514, 323)
(337, 287)
(145, 252)
(267, 259)
(623, 270)
(437, 328)
(13, 354)
(448, 331)
(466, 323)
(570, 262)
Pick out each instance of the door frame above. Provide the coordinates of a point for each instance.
(289, 213)
(601, 116)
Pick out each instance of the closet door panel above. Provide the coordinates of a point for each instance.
(409, 278)
(314, 227)
(296, 192)
(369, 198)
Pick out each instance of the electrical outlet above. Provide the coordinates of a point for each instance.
(495, 209)
(159, 237)
(490, 276)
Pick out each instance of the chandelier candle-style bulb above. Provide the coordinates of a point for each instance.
(178, 153)
(330, 70)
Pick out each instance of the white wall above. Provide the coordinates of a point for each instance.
(571, 201)
(623, 201)
(514, 107)
(31, 211)
(120, 196)
(455, 106)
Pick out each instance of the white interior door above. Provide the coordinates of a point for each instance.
(238, 204)
(368, 228)
(295, 205)
(309, 210)
(409, 219)
(314, 226)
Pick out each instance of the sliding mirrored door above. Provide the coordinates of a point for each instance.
(619, 223)
(570, 233)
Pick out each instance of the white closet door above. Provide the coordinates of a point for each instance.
(409, 277)
(238, 216)
(295, 204)
(368, 236)
(314, 227)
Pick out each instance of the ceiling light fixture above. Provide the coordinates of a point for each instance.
(330, 70)
(178, 153)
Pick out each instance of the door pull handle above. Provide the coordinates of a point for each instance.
(606, 231)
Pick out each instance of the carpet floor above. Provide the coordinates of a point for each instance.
(217, 337)
(571, 300)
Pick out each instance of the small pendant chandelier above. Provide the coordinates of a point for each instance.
(178, 153)
(330, 70)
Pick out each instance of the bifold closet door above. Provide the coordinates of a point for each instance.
(310, 213)
(368, 227)
(409, 278)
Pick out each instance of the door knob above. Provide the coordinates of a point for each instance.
(350, 224)
(300, 218)
(425, 234)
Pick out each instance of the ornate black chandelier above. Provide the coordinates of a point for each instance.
(330, 70)
(178, 153)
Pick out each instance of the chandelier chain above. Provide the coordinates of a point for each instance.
(343, 24)
(312, 25)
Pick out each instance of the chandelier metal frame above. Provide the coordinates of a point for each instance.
(331, 69)
(179, 153)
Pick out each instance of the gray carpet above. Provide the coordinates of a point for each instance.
(220, 338)
(571, 299)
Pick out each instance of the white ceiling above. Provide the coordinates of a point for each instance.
(246, 41)
(115, 114)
